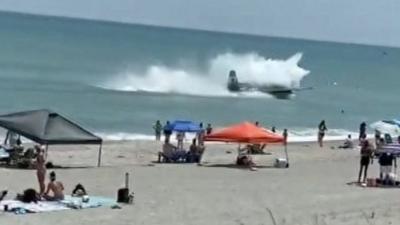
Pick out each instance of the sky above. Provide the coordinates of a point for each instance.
(374, 22)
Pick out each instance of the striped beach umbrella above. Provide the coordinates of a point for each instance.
(391, 127)
(393, 149)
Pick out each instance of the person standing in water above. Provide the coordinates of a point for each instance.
(273, 129)
(208, 129)
(363, 131)
(157, 129)
(321, 132)
(40, 168)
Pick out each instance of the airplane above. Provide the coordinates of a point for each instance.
(278, 91)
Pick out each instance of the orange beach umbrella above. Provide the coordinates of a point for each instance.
(245, 133)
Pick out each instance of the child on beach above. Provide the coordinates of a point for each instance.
(321, 132)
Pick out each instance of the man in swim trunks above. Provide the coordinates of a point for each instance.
(56, 187)
(366, 156)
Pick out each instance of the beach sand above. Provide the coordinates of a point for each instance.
(313, 190)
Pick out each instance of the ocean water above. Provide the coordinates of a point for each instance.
(117, 79)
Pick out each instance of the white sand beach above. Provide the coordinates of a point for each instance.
(313, 190)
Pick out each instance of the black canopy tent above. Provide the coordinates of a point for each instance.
(48, 128)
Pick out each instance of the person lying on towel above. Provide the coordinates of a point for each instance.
(56, 188)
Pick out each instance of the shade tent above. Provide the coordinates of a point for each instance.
(245, 133)
(185, 126)
(48, 128)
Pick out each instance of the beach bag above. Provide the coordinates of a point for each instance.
(123, 193)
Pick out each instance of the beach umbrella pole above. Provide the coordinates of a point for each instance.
(287, 156)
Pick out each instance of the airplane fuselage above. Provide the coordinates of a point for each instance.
(277, 91)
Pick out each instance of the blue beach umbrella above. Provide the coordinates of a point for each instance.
(185, 126)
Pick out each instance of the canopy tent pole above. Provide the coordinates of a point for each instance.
(99, 157)
(287, 155)
(5, 140)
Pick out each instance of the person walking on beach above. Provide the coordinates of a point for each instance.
(40, 168)
(363, 131)
(167, 131)
(365, 159)
(157, 129)
(321, 132)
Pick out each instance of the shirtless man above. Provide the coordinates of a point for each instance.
(56, 187)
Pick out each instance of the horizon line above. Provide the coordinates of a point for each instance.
(182, 28)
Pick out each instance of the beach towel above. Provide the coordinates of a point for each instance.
(4, 154)
(69, 202)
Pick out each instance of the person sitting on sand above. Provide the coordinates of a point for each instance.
(193, 153)
(348, 143)
(29, 195)
(56, 188)
(79, 191)
(366, 156)
(170, 153)
(244, 159)
(386, 161)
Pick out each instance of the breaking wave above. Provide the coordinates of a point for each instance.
(295, 135)
(250, 67)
